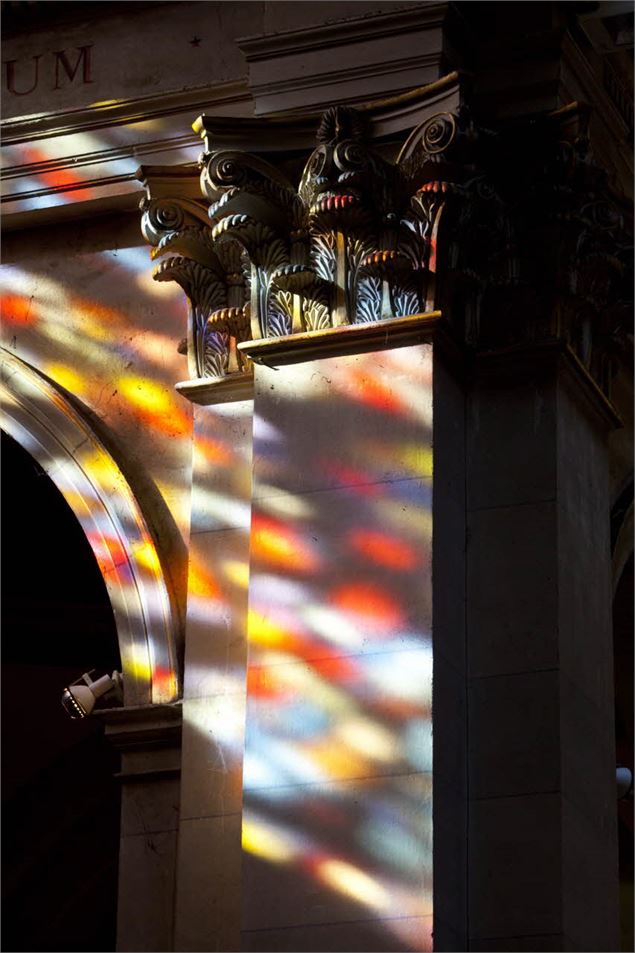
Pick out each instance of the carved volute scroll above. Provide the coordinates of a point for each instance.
(176, 224)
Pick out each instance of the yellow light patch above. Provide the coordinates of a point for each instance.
(354, 883)
(146, 554)
(67, 378)
(265, 632)
(264, 842)
(237, 572)
(147, 394)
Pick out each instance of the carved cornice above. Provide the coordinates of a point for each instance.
(352, 339)
(345, 61)
(510, 231)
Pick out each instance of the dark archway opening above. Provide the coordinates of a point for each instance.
(60, 800)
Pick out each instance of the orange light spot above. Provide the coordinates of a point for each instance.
(165, 680)
(383, 549)
(214, 452)
(57, 178)
(276, 543)
(202, 583)
(260, 684)
(18, 310)
(340, 669)
(374, 609)
(378, 394)
(339, 760)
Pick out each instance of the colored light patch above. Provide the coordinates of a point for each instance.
(147, 556)
(209, 451)
(375, 393)
(261, 684)
(138, 665)
(164, 680)
(369, 739)
(354, 883)
(375, 609)
(284, 504)
(58, 178)
(201, 583)
(264, 631)
(67, 378)
(18, 310)
(265, 841)
(276, 543)
(236, 572)
(384, 550)
(154, 404)
(361, 480)
(338, 760)
(109, 552)
(414, 459)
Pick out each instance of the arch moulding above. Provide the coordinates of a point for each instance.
(43, 421)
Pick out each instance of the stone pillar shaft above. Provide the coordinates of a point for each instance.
(542, 864)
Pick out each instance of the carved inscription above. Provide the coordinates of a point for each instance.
(55, 70)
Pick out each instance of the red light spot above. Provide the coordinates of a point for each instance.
(377, 394)
(18, 310)
(375, 609)
(383, 549)
(348, 476)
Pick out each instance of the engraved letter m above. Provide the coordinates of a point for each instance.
(71, 71)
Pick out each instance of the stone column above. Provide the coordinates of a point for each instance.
(337, 822)
(542, 861)
(148, 739)
(207, 915)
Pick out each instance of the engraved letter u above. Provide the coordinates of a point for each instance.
(11, 76)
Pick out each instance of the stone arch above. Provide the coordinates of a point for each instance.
(39, 416)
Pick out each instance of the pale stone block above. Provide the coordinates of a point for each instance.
(148, 807)
(338, 718)
(146, 891)
(380, 403)
(449, 864)
(209, 885)
(212, 755)
(221, 485)
(589, 875)
(514, 741)
(215, 645)
(531, 944)
(515, 878)
(399, 935)
(334, 852)
(512, 589)
(522, 420)
(449, 714)
(588, 757)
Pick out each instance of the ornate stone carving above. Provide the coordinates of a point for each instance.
(210, 273)
(510, 231)
(353, 243)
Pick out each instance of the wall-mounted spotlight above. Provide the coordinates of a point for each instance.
(78, 699)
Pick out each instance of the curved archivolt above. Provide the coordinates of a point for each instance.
(43, 421)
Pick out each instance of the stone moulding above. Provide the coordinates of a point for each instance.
(404, 207)
(351, 339)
